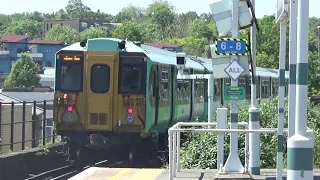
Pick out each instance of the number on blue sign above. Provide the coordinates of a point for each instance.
(238, 46)
(223, 46)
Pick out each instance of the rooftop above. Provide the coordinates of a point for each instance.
(48, 42)
(11, 38)
(7, 99)
(29, 96)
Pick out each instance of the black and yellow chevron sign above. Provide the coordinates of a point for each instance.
(231, 47)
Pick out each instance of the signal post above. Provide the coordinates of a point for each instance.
(234, 48)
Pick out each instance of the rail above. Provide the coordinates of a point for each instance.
(65, 171)
(24, 125)
(175, 131)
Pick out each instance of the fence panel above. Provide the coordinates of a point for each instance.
(25, 125)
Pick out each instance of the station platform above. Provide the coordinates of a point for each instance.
(97, 173)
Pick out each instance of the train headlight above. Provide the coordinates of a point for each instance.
(68, 117)
(129, 118)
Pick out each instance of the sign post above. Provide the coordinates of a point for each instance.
(301, 146)
(254, 112)
(234, 48)
(282, 14)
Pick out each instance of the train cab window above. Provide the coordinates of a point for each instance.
(100, 78)
(70, 77)
(130, 79)
(131, 75)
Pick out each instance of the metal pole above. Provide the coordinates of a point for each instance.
(282, 63)
(210, 98)
(171, 161)
(292, 67)
(254, 112)
(233, 163)
(221, 124)
(318, 39)
(300, 145)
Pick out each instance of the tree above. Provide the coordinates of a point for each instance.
(61, 14)
(4, 22)
(27, 26)
(156, 4)
(151, 32)
(77, 10)
(191, 45)
(163, 16)
(200, 29)
(130, 31)
(63, 33)
(93, 32)
(129, 13)
(24, 73)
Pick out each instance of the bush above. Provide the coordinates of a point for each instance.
(200, 149)
(24, 74)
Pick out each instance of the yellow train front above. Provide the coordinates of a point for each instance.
(96, 103)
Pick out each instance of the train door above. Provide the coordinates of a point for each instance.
(155, 93)
(100, 80)
(192, 101)
(172, 92)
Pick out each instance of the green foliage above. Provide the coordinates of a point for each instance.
(129, 30)
(200, 28)
(191, 45)
(63, 33)
(25, 26)
(93, 33)
(200, 148)
(129, 13)
(24, 73)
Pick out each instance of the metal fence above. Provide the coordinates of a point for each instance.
(25, 125)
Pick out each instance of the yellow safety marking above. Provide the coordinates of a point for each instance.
(149, 174)
(119, 174)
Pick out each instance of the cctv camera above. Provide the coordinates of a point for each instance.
(181, 58)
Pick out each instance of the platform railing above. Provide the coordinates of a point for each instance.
(175, 131)
(25, 125)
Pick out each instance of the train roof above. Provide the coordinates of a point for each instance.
(73, 47)
(163, 56)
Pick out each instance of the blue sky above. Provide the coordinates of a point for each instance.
(263, 7)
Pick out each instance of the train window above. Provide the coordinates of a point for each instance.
(154, 85)
(227, 81)
(130, 79)
(200, 89)
(205, 90)
(179, 89)
(185, 92)
(71, 77)
(165, 85)
(100, 78)
(275, 87)
(216, 90)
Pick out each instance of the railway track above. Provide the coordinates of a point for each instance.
(102, 159)
(64, 172)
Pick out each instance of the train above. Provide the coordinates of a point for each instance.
(112, 93)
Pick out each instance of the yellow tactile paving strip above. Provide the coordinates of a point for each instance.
(117, 174)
